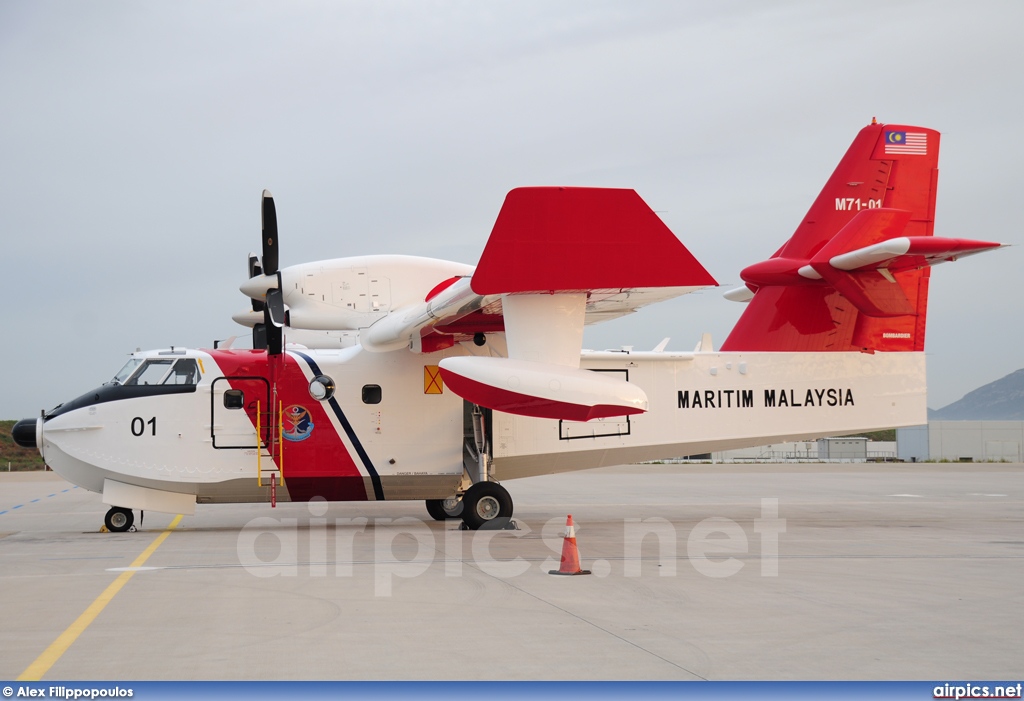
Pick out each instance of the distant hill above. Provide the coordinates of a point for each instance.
(1002, 400)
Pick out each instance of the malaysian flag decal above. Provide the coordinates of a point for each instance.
(906, 142)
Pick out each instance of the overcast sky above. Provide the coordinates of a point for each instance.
(136, 137)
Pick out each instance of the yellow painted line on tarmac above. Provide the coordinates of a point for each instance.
(35, 671)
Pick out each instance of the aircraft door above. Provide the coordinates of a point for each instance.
(235, 402)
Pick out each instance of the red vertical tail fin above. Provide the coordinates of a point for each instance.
(854, 275)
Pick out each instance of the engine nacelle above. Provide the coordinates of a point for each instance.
(348, 294)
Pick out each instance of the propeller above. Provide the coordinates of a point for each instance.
(259, 330)
(270, 333)
(255, 269)
(269, 234)
(273, 312)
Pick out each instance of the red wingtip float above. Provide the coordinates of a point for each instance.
(427, 379)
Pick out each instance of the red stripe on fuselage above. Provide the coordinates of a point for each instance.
(316, 461)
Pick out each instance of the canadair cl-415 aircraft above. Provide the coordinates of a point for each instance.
(445, 378)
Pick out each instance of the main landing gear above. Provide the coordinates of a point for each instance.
(444, 509)
(485, 505)
(119, 519)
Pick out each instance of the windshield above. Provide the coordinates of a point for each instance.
(126, 371)
(151, 373)
(185, 372)
(154, 371)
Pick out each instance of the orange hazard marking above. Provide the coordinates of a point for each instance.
(432, 382)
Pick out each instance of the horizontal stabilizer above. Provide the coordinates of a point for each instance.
(866, 228)
(908, 252)
(860, 262)
(865, 276)
(855, 274)
(541, 389)
(739, 294)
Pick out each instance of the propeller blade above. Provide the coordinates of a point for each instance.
(255, 270)
(259, 337)
(269, 334)
(275, 307)
(254, 265)
(274, 334)
(269, 234)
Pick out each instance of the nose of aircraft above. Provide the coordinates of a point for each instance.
(24, 433)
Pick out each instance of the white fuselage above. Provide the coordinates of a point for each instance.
(392, 431)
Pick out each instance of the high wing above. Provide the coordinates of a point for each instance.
(606, 244)
(557, 258)
(458, 313)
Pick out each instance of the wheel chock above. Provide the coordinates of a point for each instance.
(509, 525)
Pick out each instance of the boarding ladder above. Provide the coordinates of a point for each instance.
(270, 449)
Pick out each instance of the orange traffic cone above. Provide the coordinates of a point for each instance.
(570, 553)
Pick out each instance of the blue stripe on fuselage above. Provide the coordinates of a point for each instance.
(378, 490)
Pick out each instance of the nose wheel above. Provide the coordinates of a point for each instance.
(119, 519)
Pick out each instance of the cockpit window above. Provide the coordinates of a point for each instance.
(151, 372)
(126, 371)
(158, 371)
(185, 372)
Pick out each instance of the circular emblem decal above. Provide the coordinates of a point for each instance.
(298, 425)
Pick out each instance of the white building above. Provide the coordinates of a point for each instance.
(845, 448)
(825, 449)
(968, 441)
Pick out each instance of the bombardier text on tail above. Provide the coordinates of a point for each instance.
(396, 377)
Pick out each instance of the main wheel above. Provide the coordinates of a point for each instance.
(118, 520)
(486, 505)
(444, 509)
